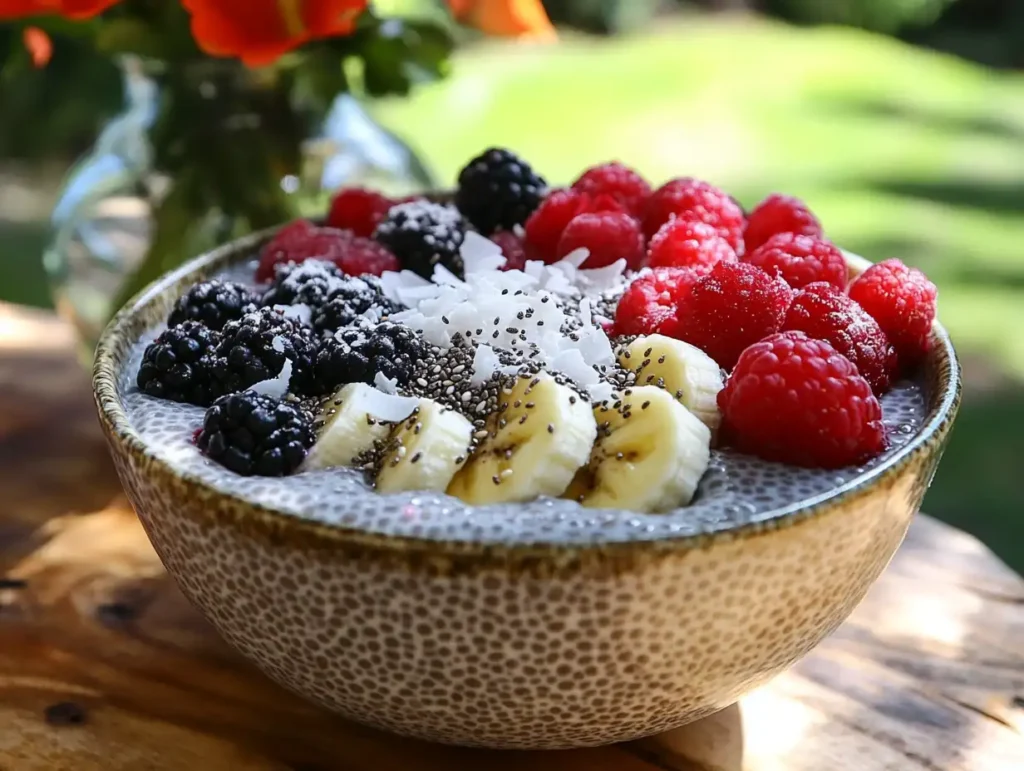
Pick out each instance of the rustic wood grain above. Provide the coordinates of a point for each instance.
(103, 664)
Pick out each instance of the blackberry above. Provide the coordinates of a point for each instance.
(213, 303)
(357, 353)
(308, 282)
(349, 301)
(255, 348)
(424, 234)
(498, 190)
(178, 365)
(249, 434)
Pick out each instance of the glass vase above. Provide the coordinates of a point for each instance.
(199, 155)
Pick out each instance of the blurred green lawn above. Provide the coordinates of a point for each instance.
(901, 152)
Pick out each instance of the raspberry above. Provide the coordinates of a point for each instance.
(608, 235)
(796, 400)
(692, 199)
(826, 313)
(512, 247)
(364, 256)
(649, 303)
(359, 210)
(801, 260)
(545, 226)
(620, 182)
(498, 190)
(300, 241)
(734, 306)
(902, 300)
(685, 243)
(779, 214)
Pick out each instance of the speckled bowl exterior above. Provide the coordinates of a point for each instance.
(531, 646)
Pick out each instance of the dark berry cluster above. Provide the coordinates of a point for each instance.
(424, 234)
(350, 301)
(178, 365)
(213, 303)
(256, 346)
(249, 434)
(498, 190)
(303, 283)
(356, 354)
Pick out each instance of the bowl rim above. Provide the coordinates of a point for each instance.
(276, 525)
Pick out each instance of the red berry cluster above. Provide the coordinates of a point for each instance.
(767, 296)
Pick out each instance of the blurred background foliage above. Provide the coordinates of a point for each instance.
(901, 122)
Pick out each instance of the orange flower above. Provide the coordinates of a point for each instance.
(38, 45)
(74, 9)
(519, 18)
(259, 31)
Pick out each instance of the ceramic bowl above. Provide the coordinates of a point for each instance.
(540, 645)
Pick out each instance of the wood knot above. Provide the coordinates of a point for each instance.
(117, 613)
(65, 713)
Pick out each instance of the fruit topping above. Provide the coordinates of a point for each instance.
(535, 442)
(357, 354)
(350, 300)
(800, 260)
(826, 313)
(512, 249)
(545, 226)
(351, 422)
(649, 455)
(299, 241)
(693, 199)
(213, 303)
(424, 451)
(649, 304)
(177, 365)
(359, 210)
(366, 257)
(608, 236)
(620, 182)
(796, 400)
(734, 306)
(902, 300)
(255, 348)
(498, 190)
(779, 214)
(305, 283)
(423, 235)
(686, 243)
(684, 370)
(252, 434)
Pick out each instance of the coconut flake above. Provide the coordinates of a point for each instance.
(480, 255)
(485, 364)
(576, 257)
(388, 385)
(603, 279)
(299, 312)
(275, 387)
(383, 406)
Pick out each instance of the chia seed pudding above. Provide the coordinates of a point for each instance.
(460, 342)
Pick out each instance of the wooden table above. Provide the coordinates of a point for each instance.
(103, 664)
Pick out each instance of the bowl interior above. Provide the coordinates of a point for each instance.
(346, 508)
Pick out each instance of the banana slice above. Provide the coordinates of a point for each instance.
(349, 427)
(424, 451)
(683, 369)
(541, 435)
(649, 456)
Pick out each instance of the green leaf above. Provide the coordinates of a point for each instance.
(130, 36)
